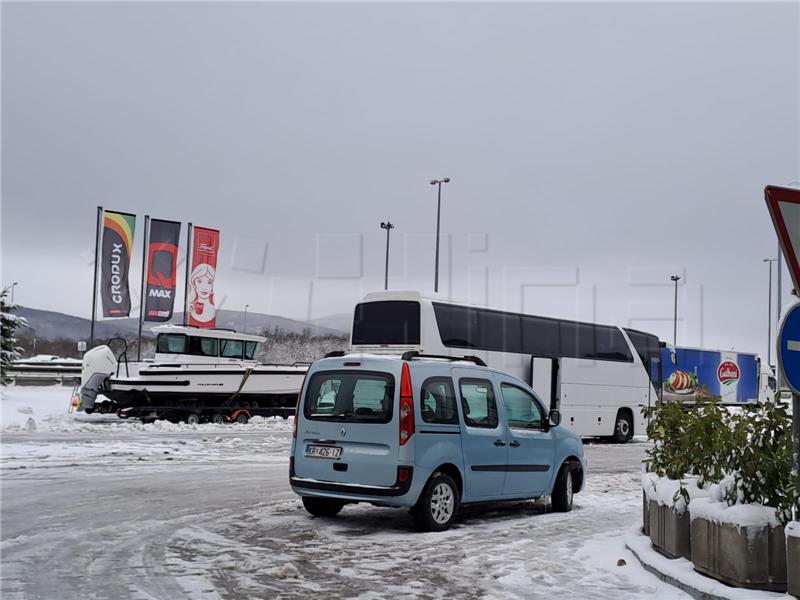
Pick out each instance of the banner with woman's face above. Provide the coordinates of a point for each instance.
(202, 309)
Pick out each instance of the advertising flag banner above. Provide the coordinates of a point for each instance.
(162, 260)
(115, 263)
(202, 309)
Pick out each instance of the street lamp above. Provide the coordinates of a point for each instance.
(388, 227)
(13, 285)
(675, 279)
(244, 325)
(438, 182)
(769, 311)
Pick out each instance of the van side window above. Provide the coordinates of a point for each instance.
(439, 401)
(478, 403)
(522, 410)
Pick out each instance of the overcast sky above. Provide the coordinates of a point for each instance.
(594, 149)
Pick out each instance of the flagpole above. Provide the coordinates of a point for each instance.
(144, 272)
(186, 282)
(96, 267)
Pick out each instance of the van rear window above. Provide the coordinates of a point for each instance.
(350, 397)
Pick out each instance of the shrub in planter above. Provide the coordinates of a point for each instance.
(737, 535)
(667, 489)
(742, 545)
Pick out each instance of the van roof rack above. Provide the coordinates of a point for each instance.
(412, 354)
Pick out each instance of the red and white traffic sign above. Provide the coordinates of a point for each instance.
(784, 208)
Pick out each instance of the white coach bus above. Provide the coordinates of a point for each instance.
(598, 376)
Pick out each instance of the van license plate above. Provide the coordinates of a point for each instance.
(333, 452)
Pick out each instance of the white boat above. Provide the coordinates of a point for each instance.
(204, 369)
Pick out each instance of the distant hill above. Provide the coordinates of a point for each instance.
(51, 325)
(338, 321)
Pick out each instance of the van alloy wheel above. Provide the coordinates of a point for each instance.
(437, 506)
(442, 503)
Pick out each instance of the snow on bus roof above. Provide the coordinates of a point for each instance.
(221, 334)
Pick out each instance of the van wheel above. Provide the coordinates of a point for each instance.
(561, 498)
(623, 428)
(322, 507)
(437, 506)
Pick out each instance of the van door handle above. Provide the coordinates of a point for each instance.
(499, 443)
(514, 444)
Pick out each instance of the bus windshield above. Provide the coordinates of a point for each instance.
(393, 322)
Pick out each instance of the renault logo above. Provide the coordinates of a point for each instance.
(343, 431)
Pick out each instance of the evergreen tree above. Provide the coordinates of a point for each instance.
(9, 322)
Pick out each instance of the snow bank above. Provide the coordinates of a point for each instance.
(46, 408)
(666, 492)
(793, 529)
(18, 404)
(740, 515)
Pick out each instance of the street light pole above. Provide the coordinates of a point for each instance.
(769, 311)
(438, 182)
(675, 279)
(244, 325)
(388, 227)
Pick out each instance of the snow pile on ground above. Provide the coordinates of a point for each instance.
(20, 404)
(46, 408)
(666, 492)
(793, 529)
(682, 571)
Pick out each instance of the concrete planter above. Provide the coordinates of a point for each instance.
(793, 559)
(670, 531)
(645, 514)
(747, 557)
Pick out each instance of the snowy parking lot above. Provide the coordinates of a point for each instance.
(96, 507)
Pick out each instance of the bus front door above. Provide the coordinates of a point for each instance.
(545, 380)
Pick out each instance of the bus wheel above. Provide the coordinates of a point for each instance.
(623, 428)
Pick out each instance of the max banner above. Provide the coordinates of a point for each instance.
(115, 263)
(162, 259)
(202, 309)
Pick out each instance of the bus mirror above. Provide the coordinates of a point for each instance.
(554, 418)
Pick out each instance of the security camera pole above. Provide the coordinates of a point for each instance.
(388, 227)
(438, 182)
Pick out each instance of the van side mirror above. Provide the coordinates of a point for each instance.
(554, 418)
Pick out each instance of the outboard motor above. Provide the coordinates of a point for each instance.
(98, 365)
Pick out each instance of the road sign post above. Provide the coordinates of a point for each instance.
(789, 364)
(784, 208)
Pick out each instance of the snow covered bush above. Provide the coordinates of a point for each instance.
(669, 456)
(761, 460)
(9, 322)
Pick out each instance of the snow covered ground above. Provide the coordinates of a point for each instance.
(97, 507)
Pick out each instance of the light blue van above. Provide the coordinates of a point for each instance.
(427, 433)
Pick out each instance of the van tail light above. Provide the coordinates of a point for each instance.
(297, 405)
(406, 406)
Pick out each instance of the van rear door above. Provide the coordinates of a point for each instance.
(349, 428)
